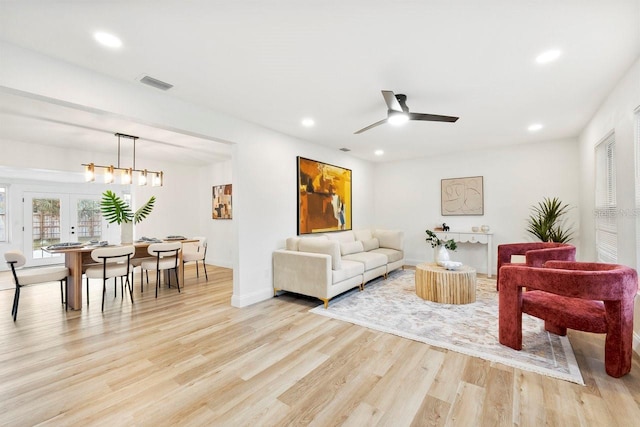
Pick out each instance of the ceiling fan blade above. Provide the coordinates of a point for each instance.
(391, 100)
(432, 117)
(371, 126)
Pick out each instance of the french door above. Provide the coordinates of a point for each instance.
(51, 218)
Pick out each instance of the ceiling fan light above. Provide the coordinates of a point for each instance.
(397, 118)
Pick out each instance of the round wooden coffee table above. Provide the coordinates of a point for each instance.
(437, 284)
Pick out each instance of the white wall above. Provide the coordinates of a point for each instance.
(515, 178)
(265, 205)
(221, 242)
(615, 114)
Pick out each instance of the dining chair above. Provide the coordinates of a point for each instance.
(165, 257)
(197, 253)
(31, 276)
(113, 263)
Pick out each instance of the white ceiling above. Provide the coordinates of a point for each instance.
(275, 62)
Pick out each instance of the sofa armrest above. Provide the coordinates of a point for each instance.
(305, 273)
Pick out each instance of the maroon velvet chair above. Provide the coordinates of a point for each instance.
(590, 297)
(535, 253)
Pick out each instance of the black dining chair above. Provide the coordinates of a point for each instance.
(113, 263)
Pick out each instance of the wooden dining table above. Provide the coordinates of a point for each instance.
(76, 258)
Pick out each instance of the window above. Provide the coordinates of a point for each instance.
(3, 213)
(605, 209)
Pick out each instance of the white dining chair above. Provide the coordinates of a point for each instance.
(196, 253)
(166, 256)
(31, 276)
(113, 263)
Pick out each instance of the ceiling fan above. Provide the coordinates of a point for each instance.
(398, 112)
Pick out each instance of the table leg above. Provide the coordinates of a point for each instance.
(73, 261)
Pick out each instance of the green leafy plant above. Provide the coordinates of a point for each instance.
(114, 209)
(546, 221)
(433, 239)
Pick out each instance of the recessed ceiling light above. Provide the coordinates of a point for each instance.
(378, 152)
(308, 122)
(107, 39)
(534, 127)
(548, 56)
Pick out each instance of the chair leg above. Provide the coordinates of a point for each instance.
(61, 294)
(130, 285)
(204, 265)
(175, 270)
(16, 300)
(104, 291)
(157, 281)
(66, 293)
(87, 291)
(197, 270)
(115, 287)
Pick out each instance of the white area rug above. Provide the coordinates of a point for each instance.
(392, 306)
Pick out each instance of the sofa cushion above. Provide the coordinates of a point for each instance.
(351, 248)
(370, 244)
(389, 238)
(323, 246)
(349, 269)
(292, 243)
(363, 235)
(391, 254)
(342, 236)
(370, 260)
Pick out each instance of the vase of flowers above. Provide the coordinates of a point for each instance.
(116, 210)
(441, 255)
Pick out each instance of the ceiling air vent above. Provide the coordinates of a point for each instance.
(158, 84)
(345, 149)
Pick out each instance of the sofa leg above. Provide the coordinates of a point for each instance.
(326, 302)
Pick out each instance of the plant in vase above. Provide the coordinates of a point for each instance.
(116, 210)
(444, 246)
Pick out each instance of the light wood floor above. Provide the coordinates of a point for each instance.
(192, 359)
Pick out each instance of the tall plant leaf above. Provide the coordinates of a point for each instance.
(144, 210)
(114, 209)
(546, 222)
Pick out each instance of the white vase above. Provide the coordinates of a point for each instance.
(442, 255)
(126, 232)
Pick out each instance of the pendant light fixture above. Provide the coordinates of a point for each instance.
(126, 174)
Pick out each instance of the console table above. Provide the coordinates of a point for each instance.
(470, 237)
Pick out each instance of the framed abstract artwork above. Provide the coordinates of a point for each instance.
(462, 196)
(221, 205)
(324, 197)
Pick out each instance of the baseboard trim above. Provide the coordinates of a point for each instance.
(253, 298)
(636, 343)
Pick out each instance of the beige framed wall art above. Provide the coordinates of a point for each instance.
(462, 196)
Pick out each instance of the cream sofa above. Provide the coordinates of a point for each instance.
(327, 265)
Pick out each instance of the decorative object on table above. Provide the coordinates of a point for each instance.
(445, 227)
(116, 210)
(475, 229)
(126, 177)
(462, 196)
(392, 306)
(452, 265)
(324, 197)
(485, 228)
(441, 254)
(175, 237)
(221, 203)
(547, 221)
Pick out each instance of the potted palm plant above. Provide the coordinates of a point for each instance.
(546, 221)
(116, 210)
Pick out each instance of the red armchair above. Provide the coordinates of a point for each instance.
(536, 254)
(590, 297)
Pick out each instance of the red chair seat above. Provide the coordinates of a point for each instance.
(572, 313)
